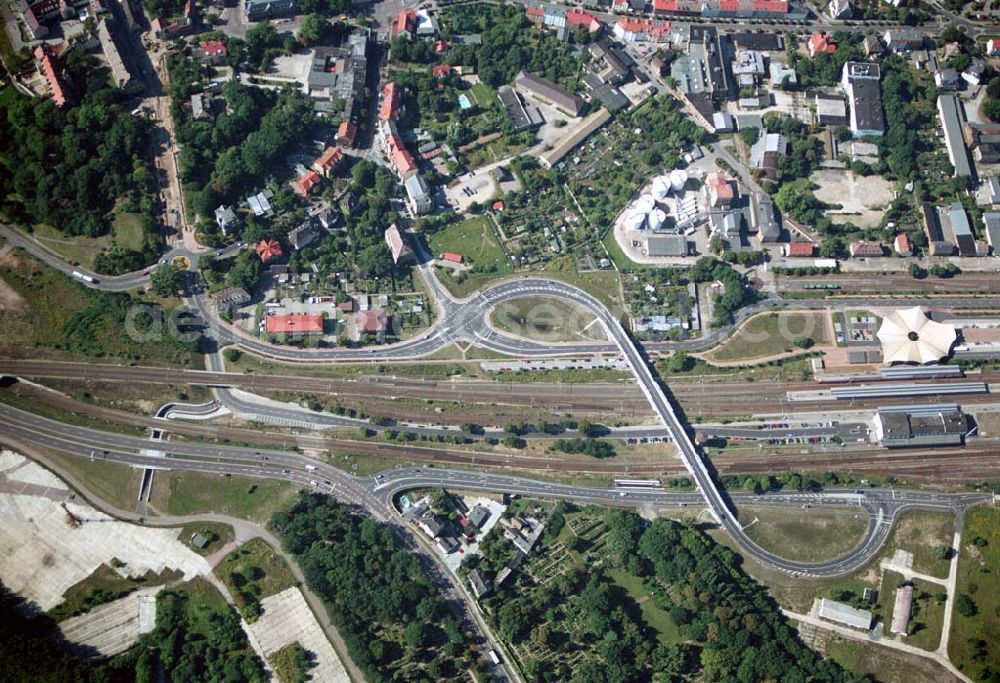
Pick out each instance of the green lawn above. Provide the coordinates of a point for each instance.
(191, 493)
(973, 646)
(118, 485)
(129, 232)
(477, 242)
(920, 532)
(769, 334)
(807, 535)
(658, 619)
(485, 95)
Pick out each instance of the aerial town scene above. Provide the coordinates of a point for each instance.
(597, 341)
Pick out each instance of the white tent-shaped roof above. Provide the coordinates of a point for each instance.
(678, 179)
(655, 218)
(642, 209)
(660, 187)
(634, 220)
(909, 336)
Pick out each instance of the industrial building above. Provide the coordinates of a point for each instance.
(845, 614)
(901, 609)
(952, 118)
(524, 117)
(860, 81)
(941, 424)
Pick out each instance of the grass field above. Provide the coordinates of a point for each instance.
(59, 317)
(191, 493)
(76, 250)
(797, 594)
(973, 646)
(920, 532)
(252, 572)
(477, 242)
(807, 536)
(204, 600)
(926, 616)
(547, 319)
(769, 334)
(883, 664)
(128, 231)
(217, 533)
(28, 401)
(118, 485)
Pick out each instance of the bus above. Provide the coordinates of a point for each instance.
(493, 657)
(85, 278)
(637, 483)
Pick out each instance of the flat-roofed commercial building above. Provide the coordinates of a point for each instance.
(929, 425)
(860, 81)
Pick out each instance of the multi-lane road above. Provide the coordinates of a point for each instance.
(376, 493)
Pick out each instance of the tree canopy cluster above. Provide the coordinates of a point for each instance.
(737, 291)
(592, 447)
(379, 596)
(73, 169)
(900, 147)
(507, 47)
(729, 628)
(804, 151)
(243, 146)
(825, 69)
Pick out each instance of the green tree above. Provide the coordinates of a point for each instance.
(312, 29)
(965, 605)
(680, 362)
(166, 280)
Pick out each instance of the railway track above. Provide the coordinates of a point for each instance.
(953, 465)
